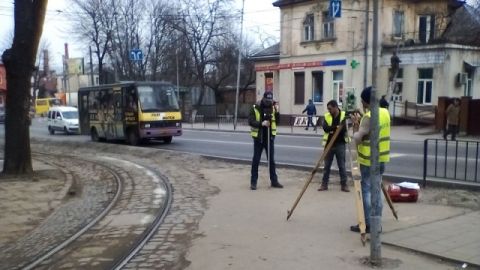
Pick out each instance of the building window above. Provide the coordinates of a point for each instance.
(269, 81)
(328, 26)
(317, 91)
(425, 86)
(468, 84)
(299, 88)
(337, 86)
(308, 28)
(398, 22)
(426, 28)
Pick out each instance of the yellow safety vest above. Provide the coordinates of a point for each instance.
(363, 149)
(329, 119)
(254, 130)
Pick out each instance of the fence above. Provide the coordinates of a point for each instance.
(410, 111)
(451, 160)
(219, 121)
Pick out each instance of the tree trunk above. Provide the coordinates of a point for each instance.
(19, 63)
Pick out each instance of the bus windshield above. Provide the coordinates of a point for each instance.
(157, 98)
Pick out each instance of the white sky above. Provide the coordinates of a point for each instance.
(261, 21)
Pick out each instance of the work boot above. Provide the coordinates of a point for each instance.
(356, 228)
(345, 188)
(323, 187)
(277, 185)
(306, 128)
(253, 187)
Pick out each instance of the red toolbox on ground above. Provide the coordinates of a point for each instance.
(401, 194)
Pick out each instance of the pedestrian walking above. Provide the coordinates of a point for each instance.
(361, 128)
(332, 120)
(453, 118)
(263, 122)
(311, 112)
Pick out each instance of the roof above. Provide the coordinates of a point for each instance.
(272, 52)
(464, 27)
(282, 3)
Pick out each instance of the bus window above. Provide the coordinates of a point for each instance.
(157, 98)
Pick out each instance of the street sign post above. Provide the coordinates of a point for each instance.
(335, 9)
(136, 55)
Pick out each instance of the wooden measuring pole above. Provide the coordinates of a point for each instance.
(319, 162)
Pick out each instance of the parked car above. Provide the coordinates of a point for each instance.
(63, 118)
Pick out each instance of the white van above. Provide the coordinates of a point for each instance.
(63, 118)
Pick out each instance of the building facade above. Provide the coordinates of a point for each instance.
(323, 58)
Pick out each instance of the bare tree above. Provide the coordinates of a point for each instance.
(94, 25)
(203, 24)
(19, 62)
(224, 68)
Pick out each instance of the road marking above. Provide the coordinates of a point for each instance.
(248, 143)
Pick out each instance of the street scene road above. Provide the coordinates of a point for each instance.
(239, 229)
(303, 149)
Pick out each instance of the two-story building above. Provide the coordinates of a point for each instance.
(322, 58)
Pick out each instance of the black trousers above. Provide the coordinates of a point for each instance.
(258, 147)
(451, 129)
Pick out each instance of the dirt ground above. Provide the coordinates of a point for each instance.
(240, 227)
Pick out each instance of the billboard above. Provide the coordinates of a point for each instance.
(75, 66)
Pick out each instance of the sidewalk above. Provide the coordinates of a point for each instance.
(248, 229)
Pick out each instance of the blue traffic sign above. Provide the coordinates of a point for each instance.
(136, 55)
(335, 9)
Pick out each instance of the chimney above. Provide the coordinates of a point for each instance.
(46, 68)
(66, 51)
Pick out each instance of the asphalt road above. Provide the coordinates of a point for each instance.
(406, 156)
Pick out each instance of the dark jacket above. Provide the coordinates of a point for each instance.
(263, 116)
(331, 129)
(310, 109)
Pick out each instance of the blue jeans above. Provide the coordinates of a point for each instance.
(258, 147)
(366, 184)
(310, 121)
(338, 150)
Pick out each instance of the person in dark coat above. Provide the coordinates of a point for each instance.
(311, 112)
(263, 119)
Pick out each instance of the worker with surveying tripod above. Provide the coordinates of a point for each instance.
(263, 122)
(361, 138)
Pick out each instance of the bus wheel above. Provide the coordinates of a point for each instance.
(50, 130)
(133, 138)
(167, 139)
(94, 135)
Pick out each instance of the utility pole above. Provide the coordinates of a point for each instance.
(375, 217)
(365, 49)
(238, 68)
(91, 66)
(178, 82)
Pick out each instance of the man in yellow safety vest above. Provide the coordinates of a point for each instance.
(263, 122)
(332, 120)
(362, 140)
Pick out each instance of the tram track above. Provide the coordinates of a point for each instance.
(118, 239)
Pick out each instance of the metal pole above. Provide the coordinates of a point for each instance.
(238, 68)
(375, 195)
(365, 52)
(91, 66)
(178, 82)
